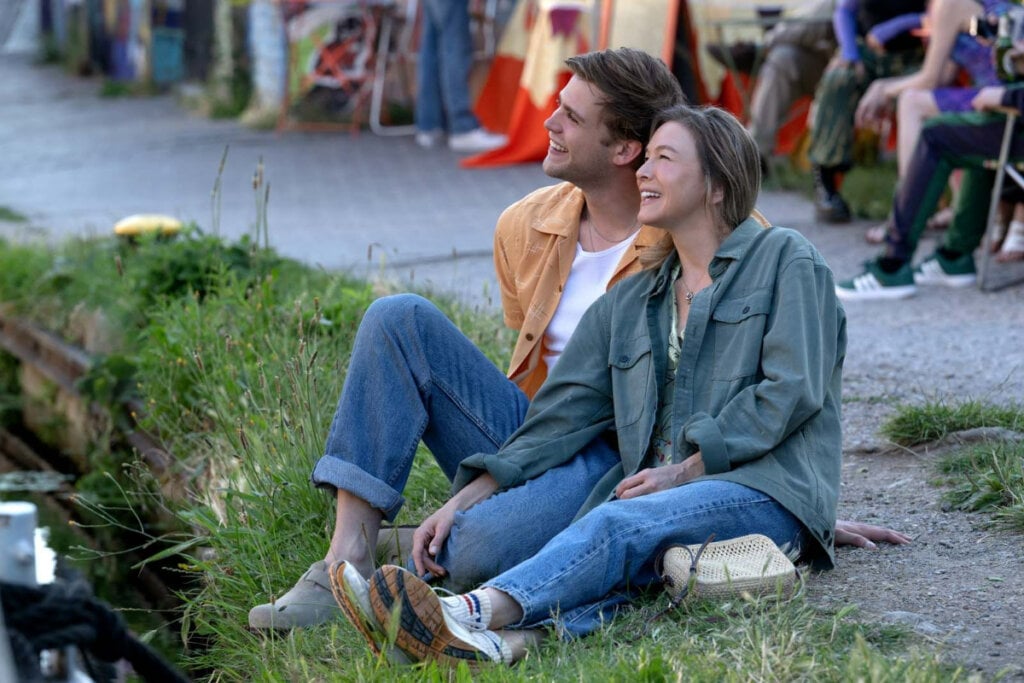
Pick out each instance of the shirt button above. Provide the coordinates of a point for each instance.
(746, 309)
(623, 359)
(529, 337)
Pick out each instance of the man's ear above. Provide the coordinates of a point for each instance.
(627, 151)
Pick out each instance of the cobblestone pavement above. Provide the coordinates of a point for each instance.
(77, 162)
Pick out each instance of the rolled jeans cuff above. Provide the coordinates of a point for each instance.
(335, 473)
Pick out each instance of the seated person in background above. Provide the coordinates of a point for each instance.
(948, 141)
(845, 80)
(795, 56)
(725, 441)
(950, 47)
(413, 375)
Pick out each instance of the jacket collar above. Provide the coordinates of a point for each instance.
(734, 248)
(564, 223)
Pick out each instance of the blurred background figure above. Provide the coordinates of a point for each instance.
(873, 43)
(443, 103)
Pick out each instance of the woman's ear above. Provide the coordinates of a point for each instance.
(627, 152)
(717, 194)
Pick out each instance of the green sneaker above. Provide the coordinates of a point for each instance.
(939, 270)
(874, 283)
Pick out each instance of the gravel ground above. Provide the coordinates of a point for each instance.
(959, 583)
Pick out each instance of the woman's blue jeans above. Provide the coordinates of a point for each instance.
(413, 375)
(442, 73)
(585, 573)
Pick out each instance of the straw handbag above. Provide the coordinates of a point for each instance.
(750, 564)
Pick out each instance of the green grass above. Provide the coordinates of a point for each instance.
(868, 188)
(987, 476)
(9, 215)
(990, 478)
(238, 356)
(916, 424)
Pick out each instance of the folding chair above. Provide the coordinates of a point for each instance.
(1003, 167)
(394, 51)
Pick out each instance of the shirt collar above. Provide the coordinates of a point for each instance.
(734, 248)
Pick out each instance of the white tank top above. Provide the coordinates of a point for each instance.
(588, 279)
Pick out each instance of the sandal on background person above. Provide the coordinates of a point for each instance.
(1012, 248)
(876, 233)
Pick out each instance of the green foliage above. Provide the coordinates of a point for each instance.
(11, 216)
(238, 357)
(988, 477)
(867, 188)
(915, 424)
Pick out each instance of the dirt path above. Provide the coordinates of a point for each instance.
(959, 583)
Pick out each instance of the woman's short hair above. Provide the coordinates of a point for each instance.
(635, 87)
(727, 153)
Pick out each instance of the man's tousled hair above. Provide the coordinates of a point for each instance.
(634, 86)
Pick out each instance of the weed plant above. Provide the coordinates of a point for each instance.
(917, 424)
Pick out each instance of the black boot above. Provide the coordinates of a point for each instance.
(829, 205)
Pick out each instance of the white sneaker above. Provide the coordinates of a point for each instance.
(477, 140)
(425, 629)
(352, 592)
(429, 138)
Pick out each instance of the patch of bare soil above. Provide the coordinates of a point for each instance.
(958, 584)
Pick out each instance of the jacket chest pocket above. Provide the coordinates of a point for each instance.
(739, 327)
(631, 369)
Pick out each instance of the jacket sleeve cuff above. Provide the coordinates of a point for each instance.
(506, 473)
(702, 431)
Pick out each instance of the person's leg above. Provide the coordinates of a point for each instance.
(914, 107)
(512, 525)
(789, 72)
(946, 142)
(429, 108)
(615, 546)
(831, 147)
(412, 375)
(454, 60)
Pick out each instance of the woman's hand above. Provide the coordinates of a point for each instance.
(874, 105)
(862, 535)
(989, 97)
(656, 479)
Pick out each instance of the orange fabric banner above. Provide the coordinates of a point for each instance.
(553, 32)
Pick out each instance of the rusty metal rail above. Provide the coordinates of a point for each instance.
(63, 364)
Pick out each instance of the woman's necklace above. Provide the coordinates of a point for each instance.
(595, 231)
(688, 297)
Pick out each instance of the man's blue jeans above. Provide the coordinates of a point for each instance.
(585, 573)
(413, 375)
(442, 73)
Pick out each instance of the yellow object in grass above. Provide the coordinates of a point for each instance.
(142, 223)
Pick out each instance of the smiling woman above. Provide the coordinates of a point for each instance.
(749, 442)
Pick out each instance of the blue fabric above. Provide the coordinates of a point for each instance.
(888, 30)
(413, 375)
(844, 21)
(513, 525)
(445, 58)
(589, 570)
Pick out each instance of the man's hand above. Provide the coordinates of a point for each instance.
(656, 479)
(865, 535)
(989, 97)
(431, 535)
